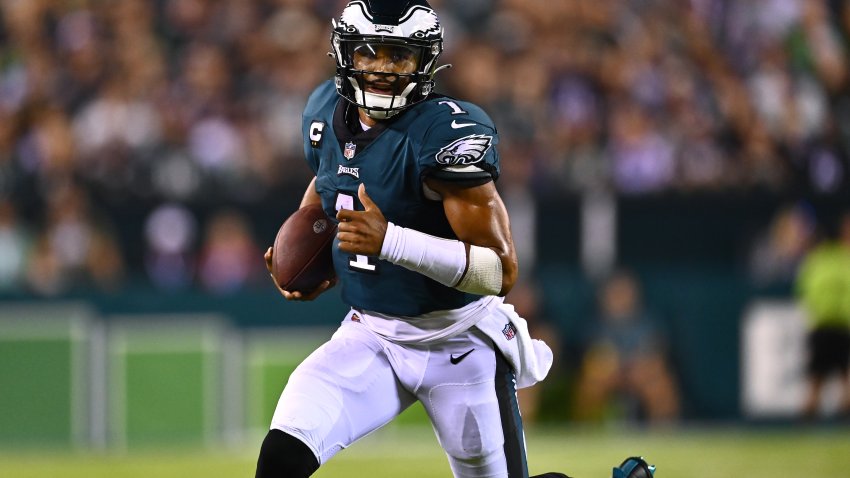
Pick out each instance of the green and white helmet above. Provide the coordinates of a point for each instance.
(406, 28)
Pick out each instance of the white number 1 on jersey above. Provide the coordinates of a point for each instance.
(359, 262)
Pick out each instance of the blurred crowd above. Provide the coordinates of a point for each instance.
(165, 105)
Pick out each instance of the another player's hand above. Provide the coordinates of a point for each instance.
(362, 232)
(296, 295)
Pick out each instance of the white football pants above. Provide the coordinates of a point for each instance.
(357, 382)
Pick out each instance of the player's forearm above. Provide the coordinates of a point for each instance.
(469, 268)
(478, 217)
(311, 196)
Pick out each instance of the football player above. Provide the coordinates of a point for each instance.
(423, 254)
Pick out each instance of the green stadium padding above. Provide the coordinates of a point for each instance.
(44, 375)
(165, 380)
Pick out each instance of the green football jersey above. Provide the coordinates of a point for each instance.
(823, 285)
(440, 137)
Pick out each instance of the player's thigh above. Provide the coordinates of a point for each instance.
(473, 407)
(344, 390)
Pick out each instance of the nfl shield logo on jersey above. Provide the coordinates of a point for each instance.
(509, 331)
(349, 150)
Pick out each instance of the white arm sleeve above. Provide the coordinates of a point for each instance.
(443, 260)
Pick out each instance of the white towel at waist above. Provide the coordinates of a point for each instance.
(530, 358)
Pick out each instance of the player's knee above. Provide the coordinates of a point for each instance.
(473, 448)
(476, 463)
(284, 456)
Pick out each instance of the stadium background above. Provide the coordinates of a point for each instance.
(150, 149)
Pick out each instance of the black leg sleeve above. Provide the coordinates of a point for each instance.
(284, 456)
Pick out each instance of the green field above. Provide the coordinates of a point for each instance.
(686, 453)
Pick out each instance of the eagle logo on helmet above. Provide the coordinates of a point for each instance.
(467, 150)
(419, 21)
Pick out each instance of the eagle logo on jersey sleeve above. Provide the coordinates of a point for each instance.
(467, 150)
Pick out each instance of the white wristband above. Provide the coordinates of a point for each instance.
(443, 260)
(484, 273)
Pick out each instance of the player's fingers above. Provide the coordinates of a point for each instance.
(286, 294)
(347, 236)
(322, 287)
(346, 246)
(345, 215)
(356, 246)
(367, 202)
(299, 296)
(347, 227)
(268, 257)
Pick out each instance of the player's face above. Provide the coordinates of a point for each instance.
(384, 63)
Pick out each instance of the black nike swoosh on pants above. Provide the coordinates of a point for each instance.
(456, 360)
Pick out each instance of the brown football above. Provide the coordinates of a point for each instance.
(302, 258)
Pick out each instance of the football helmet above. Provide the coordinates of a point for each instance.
(386, 54)
(634, 467)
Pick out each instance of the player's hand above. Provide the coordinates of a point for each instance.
(296, 295)
(362, 232)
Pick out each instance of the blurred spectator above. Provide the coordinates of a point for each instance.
(199, 102)
(44, 272)
(824, 291)
(170, 233)
(642, 159)
(74, 250)
(14, 248)
(776, 255)
(230, 259)
(624, 370)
